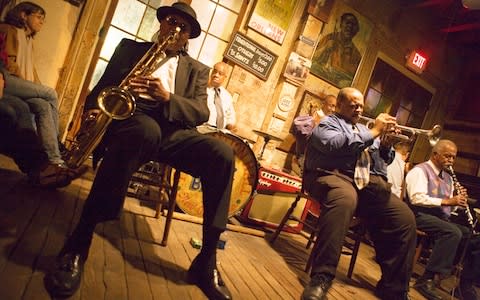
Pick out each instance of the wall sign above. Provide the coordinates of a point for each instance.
(417, 62)
(251, 56)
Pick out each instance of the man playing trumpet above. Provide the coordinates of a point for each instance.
(431, 194)
(345, 170)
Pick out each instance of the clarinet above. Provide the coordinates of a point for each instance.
(457, 187)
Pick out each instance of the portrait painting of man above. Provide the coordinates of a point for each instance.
(340, 49)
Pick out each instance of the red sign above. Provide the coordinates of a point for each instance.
(417, 62)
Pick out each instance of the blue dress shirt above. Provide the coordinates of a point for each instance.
(335, 144)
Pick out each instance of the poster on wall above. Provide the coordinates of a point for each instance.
(320, 9)
(272, 18)
(297, 68)
(341, 47)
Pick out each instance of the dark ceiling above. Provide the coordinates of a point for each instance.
(460, 24)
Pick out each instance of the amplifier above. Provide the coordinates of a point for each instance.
(272, 180)
(274, 195)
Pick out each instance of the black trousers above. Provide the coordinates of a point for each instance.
(390, 222)
(449, 240)
(141, 138)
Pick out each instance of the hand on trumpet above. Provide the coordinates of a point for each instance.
(389, 137)
(384, 124)
(151, 86)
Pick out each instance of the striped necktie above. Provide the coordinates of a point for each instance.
(219, 109)
(362, 170)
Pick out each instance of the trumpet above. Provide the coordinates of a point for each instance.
(408, 133)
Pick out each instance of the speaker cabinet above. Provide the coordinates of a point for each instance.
(268, 210)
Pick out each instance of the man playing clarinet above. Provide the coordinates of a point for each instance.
(434, 197)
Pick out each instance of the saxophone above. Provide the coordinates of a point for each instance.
(457, 187)
(115, 103)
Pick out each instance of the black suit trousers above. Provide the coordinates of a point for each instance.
(143, 137)
(390, 222)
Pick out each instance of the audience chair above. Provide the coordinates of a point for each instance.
(356, 233)
(153, 182)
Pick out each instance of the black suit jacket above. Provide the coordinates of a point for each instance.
(187, 107)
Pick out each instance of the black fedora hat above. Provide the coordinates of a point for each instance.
(184, 10)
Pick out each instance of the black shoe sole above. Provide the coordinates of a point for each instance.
(53, 290)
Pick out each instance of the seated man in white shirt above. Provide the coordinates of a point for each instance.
(220, 102)
(432, 197)
(396, 170)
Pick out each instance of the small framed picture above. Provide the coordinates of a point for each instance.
(309, 104)
(297, 68)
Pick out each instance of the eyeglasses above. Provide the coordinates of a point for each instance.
(172, 21)
(39, 16)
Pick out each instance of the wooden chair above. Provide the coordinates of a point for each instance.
(356, 233)
(421, 241)
(153, 182)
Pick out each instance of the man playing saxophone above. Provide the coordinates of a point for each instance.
(433, 197)
(170, 103)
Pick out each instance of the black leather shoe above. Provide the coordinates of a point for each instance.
(317, 288)
(427, 288)
(65, 279)
(211, 285)
(391, 295)
(466, 292)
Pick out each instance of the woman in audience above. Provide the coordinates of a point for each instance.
(21, 24)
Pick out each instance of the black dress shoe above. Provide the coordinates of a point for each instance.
(384, 295)
(466, 292)
(65, 279)
(317, 288)
(211, 285)
(427, 288)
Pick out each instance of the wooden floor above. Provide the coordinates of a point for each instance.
(127, 262)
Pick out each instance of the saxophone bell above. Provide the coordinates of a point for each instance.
(117, 103)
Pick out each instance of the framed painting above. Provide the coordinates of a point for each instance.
(320, 9)
(272, 18)
(309, 104)
(341, 46)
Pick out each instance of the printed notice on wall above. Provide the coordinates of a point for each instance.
(251, 56)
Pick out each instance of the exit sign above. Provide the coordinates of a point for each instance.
(417, 62)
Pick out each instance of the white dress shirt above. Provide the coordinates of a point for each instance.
(395, 174)
(227, 107)
(166, 73)
(417, 187)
